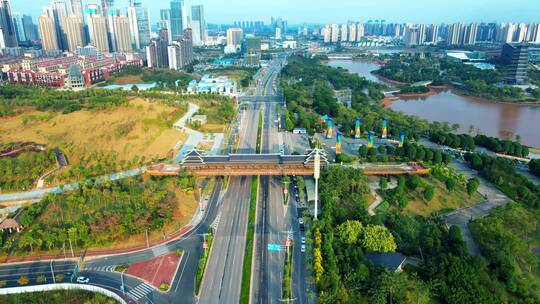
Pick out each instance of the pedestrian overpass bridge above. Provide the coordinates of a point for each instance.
(200, 164)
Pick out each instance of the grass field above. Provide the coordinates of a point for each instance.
(211, 108)
(139, 128)
(129, 79)
(443, 199)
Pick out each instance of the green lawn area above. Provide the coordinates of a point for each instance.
(443, 199)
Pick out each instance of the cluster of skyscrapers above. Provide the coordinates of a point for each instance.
(425, 34)
(67, 25)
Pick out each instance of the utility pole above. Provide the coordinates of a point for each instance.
(70, 246)
(147, 242)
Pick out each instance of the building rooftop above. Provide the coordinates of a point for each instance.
(389, 260)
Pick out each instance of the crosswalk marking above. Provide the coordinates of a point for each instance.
(109, 268)
(140, 291)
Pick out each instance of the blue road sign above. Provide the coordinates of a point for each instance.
(274, 247)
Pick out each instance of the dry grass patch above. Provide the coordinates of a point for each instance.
(139, 128)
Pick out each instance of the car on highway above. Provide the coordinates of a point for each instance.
(301, 221)
(303, 240)
(83, 280)
(303, 248)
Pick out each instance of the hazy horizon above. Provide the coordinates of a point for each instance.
(300, 11)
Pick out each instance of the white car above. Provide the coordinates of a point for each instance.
(303, 248)
(301, 221)
(303, 240)
(83, 280)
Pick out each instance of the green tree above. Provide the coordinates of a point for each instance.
(383, 183)
(413, 182)
(450, 184)
(363, 151)
(377, 238)
(472, 185)
(429, 193)
(349, 231)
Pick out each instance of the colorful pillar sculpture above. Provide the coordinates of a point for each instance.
(338, 142)
(401, 139)
(357, 128)
(384, 133)
(371, 139)
(330, 125)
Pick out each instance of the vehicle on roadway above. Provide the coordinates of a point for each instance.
(83, 280)
(301, 221)
(303, 248)
(303, 240)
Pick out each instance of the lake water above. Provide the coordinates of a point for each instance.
(491, 118)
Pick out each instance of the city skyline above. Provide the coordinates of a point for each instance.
(417, 11)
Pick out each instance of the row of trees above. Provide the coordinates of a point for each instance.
(469, 143)
(409, 152)
(502, 173)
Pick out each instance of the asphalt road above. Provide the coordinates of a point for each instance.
(222, 280)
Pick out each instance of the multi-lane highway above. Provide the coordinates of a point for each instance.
(222, 280)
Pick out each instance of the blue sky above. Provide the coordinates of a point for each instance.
(318, 11)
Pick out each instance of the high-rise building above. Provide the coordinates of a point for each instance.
(156, 54)
(520, 34)
(76, 8)
(432, 34)
(181, 52)
(326, 33)
(344, 36)
(8, 37)
(47, 31)
(235, 36)
(30, 28)
(411, 35)
(197, 18)
(335, 33)
(534, 36)
(454, 35)
(178, 19)
(139, 24)
(360, 31)
(74, 27)
(122, 34)
(352, 32)
(97, 28)
(251, 49)
(469, 34)
(60, 12)
(516, 57)
(18, 24)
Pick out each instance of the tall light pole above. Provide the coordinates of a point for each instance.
(316, 175)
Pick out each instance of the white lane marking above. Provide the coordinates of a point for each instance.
(182, 273)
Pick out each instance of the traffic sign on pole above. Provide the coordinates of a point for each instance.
(274, 247)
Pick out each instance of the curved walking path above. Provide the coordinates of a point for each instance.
(373, 187)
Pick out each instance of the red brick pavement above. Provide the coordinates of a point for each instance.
(157, 270)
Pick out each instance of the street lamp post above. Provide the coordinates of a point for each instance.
(52, 273)
(316, 175)
(122, 279)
